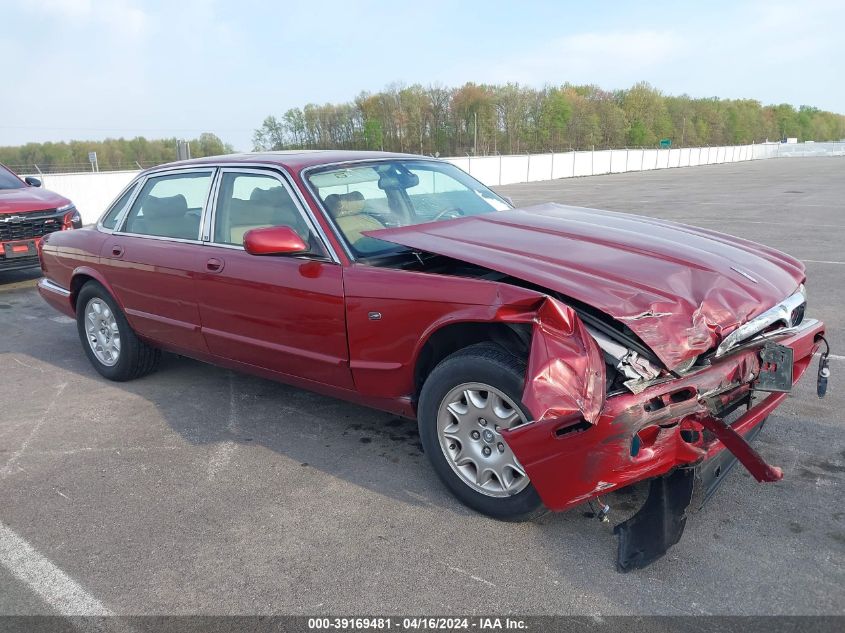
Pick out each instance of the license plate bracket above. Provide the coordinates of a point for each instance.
(24, 248)
(775, 368)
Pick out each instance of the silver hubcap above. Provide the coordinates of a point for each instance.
(103, 335)
(469, 424)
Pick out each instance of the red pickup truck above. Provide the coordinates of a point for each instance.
(27, 214)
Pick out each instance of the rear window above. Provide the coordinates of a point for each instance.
(110, 219)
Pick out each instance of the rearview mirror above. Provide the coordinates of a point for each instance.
(274, 240)
(32, 182)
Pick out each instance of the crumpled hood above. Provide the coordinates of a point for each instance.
(29, 199)
(679, 288)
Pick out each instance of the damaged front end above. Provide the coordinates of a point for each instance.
(648, 338)
(672, 429)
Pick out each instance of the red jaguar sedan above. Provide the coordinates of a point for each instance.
(27, 213)
(550, 354)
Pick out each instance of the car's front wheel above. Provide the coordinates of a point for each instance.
(465, 404)
(111, 345)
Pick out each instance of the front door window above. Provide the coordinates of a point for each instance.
(254, 201)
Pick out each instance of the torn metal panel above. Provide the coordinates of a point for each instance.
(675, 286)
(566, 373)
(648, 314)
(565, 376)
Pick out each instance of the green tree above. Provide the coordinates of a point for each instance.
(556, 114)
(508, 118)
(373, 134)
(638, 134)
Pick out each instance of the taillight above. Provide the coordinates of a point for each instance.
(39, 247)
(72, 220)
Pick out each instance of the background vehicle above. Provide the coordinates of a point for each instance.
(28, 213)
(550, 354)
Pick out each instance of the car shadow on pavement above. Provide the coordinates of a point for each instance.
(14, 279)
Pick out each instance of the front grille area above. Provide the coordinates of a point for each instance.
(26, 226)
(798, 314)
(17, 263)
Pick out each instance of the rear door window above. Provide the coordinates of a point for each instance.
(170, 206)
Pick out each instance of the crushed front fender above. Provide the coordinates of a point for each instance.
(565, 377)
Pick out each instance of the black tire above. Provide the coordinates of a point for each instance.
(492, 365)
(136, 358)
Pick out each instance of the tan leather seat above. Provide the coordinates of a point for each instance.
(265, 207)
(257, 217)
(347, 209)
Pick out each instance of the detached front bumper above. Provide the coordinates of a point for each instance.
(677, 423)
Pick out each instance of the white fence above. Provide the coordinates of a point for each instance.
(507, 170)
(93, 192)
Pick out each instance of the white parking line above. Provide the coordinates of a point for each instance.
(54, 586)
(223, 454)
(7, 467)
(766, 222)
(822, 261)
(464, 572)
(732, 203)
(220, 458)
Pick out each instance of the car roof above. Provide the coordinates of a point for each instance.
(293, 160)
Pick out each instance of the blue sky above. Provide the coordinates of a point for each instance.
(88, 69)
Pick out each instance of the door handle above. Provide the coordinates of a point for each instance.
(117, 251)
(214, 265)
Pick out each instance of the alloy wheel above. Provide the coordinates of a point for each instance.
(102, 332)
(470, 420)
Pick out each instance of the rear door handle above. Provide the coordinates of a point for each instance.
(214, 265)
(117, 251)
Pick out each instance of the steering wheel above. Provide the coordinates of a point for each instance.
(457, 211)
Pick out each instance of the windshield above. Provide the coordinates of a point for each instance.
(368, 197)
(8, 180)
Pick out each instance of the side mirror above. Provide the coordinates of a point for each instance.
(32, 182)
(509, 200)
(274, 240)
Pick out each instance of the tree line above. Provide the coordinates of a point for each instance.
(472, 119)
(513, 119)
(112, 153)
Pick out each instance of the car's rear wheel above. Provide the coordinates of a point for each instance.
(465, 404)
(111, 345)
